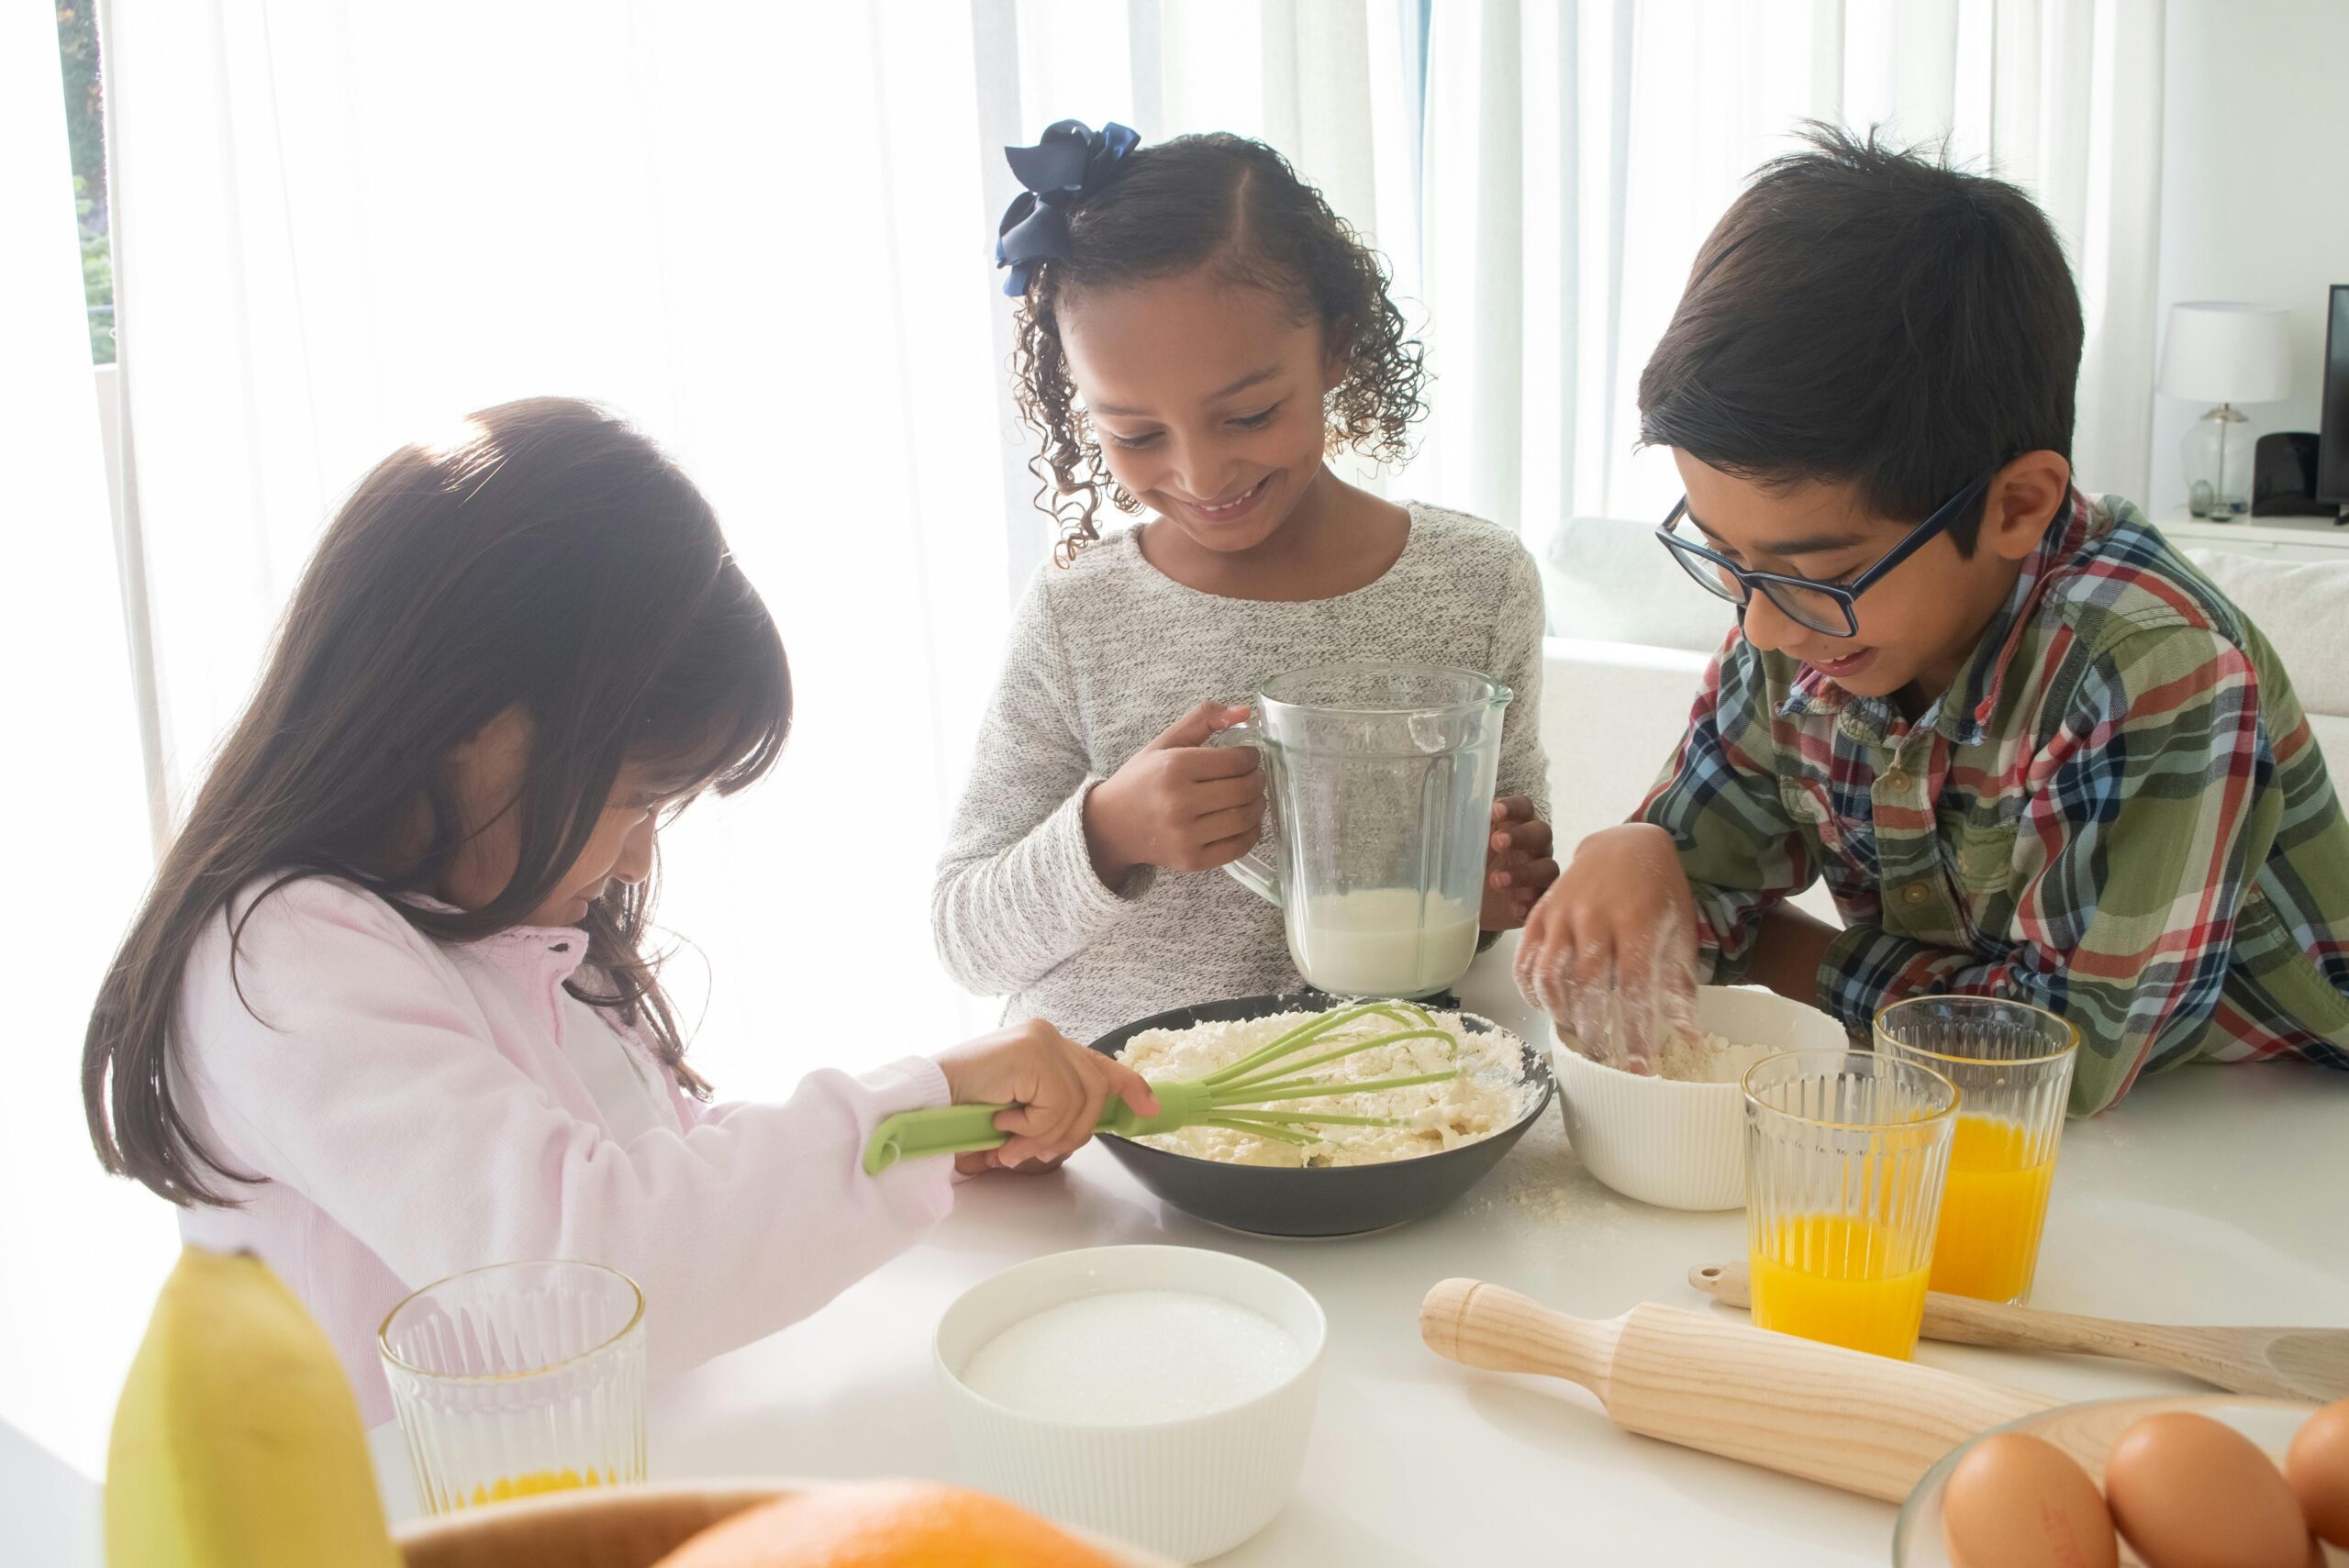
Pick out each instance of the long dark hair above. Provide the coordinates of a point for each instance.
(549, 559)
(1174, 206)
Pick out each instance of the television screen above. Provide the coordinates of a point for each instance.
(2332, 406)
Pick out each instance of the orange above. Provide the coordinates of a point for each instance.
(884, 1524)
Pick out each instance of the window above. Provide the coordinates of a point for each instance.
(77, 47)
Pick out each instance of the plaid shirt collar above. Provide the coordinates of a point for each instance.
(1964, 720)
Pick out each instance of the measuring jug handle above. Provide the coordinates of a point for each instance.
(1253, 871)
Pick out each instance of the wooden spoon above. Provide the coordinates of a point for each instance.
(2285, 1363)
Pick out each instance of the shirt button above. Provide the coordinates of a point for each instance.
(1914, 893)
(1898, 780)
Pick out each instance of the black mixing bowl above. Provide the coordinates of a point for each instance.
(1342, 1200)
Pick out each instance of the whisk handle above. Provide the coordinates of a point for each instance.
(941, 1130)
(961, 1130)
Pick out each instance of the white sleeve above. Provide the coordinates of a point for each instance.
(365, 1075)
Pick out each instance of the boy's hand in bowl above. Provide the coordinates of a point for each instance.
(1610, 951)
(1051, 1088)
(1518, 867)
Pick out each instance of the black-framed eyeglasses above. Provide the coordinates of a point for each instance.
(1823, 606)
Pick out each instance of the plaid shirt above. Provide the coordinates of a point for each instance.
(2118, 812)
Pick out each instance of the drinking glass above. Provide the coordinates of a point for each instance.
(517, 1379)
(2012, 1065)
(1845, 1154)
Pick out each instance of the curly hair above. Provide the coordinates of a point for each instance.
(1179, 205)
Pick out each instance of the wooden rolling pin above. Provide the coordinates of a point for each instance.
(1859, 1422)
(2282, 1363)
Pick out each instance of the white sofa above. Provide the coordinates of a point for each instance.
(1631, 635)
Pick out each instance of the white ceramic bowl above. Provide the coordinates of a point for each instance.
(1681, 1145)
(1187, 1489)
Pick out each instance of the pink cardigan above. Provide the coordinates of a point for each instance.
(413, 1112)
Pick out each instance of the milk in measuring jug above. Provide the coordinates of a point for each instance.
(1382, 941)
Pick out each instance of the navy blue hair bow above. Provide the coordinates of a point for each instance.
(1071, 160)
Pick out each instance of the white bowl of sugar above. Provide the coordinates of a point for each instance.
(1677, 1139)
(1160, 1395)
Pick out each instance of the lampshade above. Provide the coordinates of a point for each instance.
(2220, 351)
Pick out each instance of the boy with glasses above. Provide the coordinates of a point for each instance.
(2031, 751)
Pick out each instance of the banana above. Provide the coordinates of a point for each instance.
(236, 1442)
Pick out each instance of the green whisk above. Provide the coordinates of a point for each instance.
(1225, 1097)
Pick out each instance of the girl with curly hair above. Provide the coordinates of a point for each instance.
(1198, 332)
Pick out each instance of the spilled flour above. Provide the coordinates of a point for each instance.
(1544, 1204)
(1492, 1091)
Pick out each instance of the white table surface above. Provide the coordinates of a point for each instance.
(2210, 1195)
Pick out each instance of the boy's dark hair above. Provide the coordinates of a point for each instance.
(549, 559)
(1174, 206)
(1868, 313)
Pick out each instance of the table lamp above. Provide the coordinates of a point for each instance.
(2225, 352)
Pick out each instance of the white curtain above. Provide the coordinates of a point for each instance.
(762, 231)
(758, 230)
(1577, 153)
(80, 1254)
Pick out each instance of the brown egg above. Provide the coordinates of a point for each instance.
(2317, 1464)
(2020, 1502)
(2189, 1493)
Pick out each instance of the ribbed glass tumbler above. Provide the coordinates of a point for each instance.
(1845, 1155)
(517, 1379)
(2012, 1065)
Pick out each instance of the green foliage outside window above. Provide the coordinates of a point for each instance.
(77, 47)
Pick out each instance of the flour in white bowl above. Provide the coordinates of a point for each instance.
(1128, 1357)
(1705, 1058)
(1709, 1059)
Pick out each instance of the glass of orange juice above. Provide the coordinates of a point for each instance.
(2012, 1065)
(1845, 1152)
(517, 1379)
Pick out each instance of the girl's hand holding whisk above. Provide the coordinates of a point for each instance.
(1055, 1087)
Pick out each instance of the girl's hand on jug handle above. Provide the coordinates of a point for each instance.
(1610, 952)
(1178, 803)
(1518, 867)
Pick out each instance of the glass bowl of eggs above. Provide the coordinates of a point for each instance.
(2166, 1481)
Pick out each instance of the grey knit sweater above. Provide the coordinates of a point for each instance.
(1103, 657)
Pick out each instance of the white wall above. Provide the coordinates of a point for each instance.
(2254, 188)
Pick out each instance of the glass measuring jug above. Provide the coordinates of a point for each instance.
(1379, 780)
